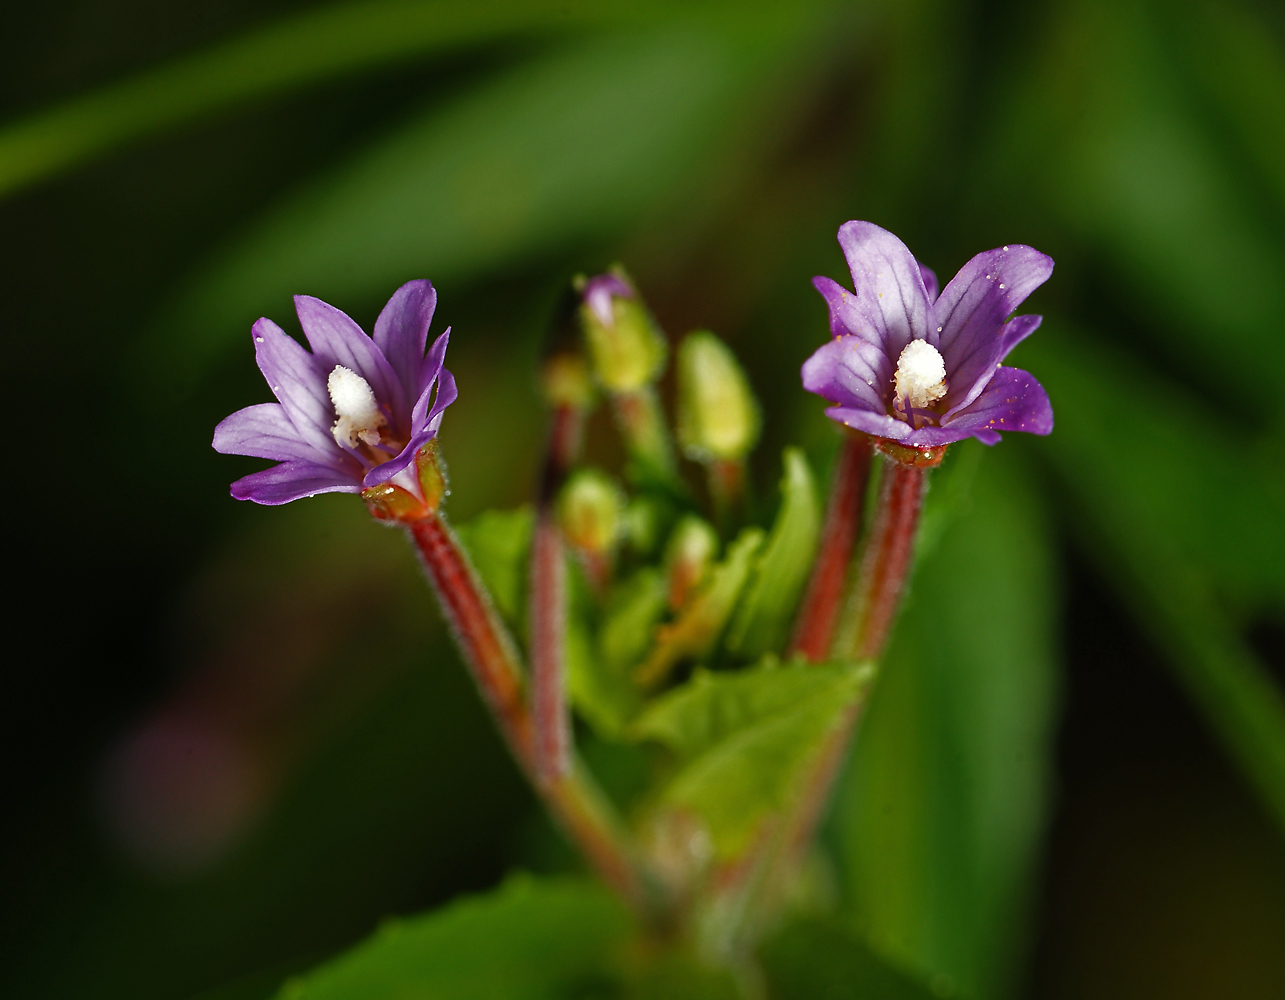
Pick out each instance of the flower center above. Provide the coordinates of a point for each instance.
(921, 377)
(356, 408)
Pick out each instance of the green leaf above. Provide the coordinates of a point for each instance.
(782, 567)
(941, 813)
(600, 677)
(824, 960)
(499, 544)
(557, 152)
(529, 939)
(745, 739)
(1182, 515)
(291, 53)
(1179, 469)
(1130, 167)
(701, 622)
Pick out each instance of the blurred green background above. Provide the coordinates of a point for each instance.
(237, 738)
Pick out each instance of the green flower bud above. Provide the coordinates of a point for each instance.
(565, 380)
(625, 347)
(688, 557)
(718, 416)
(590, 510)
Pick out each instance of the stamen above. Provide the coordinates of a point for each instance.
(356, 407)
(920, 379)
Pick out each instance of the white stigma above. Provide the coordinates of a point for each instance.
(921, 376)
(356, 408)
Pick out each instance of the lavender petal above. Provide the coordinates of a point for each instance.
(1016, 330)
(890, 297)
(264, 431)
(337, 340)
(851, 372)
(1012, 401)
(875, 424)
(291, 481)
(984, 293)
(931, 285)
(297, 381)
(401, 332)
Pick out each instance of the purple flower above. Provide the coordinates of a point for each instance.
(922, 369)
(351, 414)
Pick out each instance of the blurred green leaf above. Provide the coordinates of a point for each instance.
(1170, 464)
(1122, 160)
(288, 54)
(700, 623)
(941, 812)
(1173, 514)
(538, 939)
(782, 567)
(498, 543)
(600, 675)
(824, 960)
(745, 739)
(1238, 60)
(555, 153)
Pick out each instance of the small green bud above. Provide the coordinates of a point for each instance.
(565, 380)
(590, 512)
(718, 416)
(688, 557)
(625, 347)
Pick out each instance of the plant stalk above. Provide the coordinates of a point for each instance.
(548, 607)
(572, 798)
(820, 608)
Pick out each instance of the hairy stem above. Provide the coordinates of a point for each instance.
(572, 798)
(548, 607)
(885, 562)
(820, 608)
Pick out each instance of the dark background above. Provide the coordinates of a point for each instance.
(211, 776)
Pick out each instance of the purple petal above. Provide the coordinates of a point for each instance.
(291, 481)
(401, 332)
(1012, 401)
(891, 303)
(297, 381)
(447, 393)
(598, 293)
(337, 340)
(851, 372)
(432, 422)
(876, 424)
(984, 294)
(432, 367)
(930, 282)
(264, 431)
(1016, 330)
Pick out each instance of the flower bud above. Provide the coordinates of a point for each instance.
(718, 416)
(626, 348)
(590, 512)
(565, 380)
(688, 557)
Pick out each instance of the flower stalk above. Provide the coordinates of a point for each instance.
(886, 558)
(548, 600)
(575, 802)
(819, 610)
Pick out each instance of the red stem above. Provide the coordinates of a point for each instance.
(478, 631)
(548, 649)
(820, 608)
(884, 563)
(573, 799)
(548, 607)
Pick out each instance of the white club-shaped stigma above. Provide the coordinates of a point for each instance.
(356, 408)
(921, 376)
